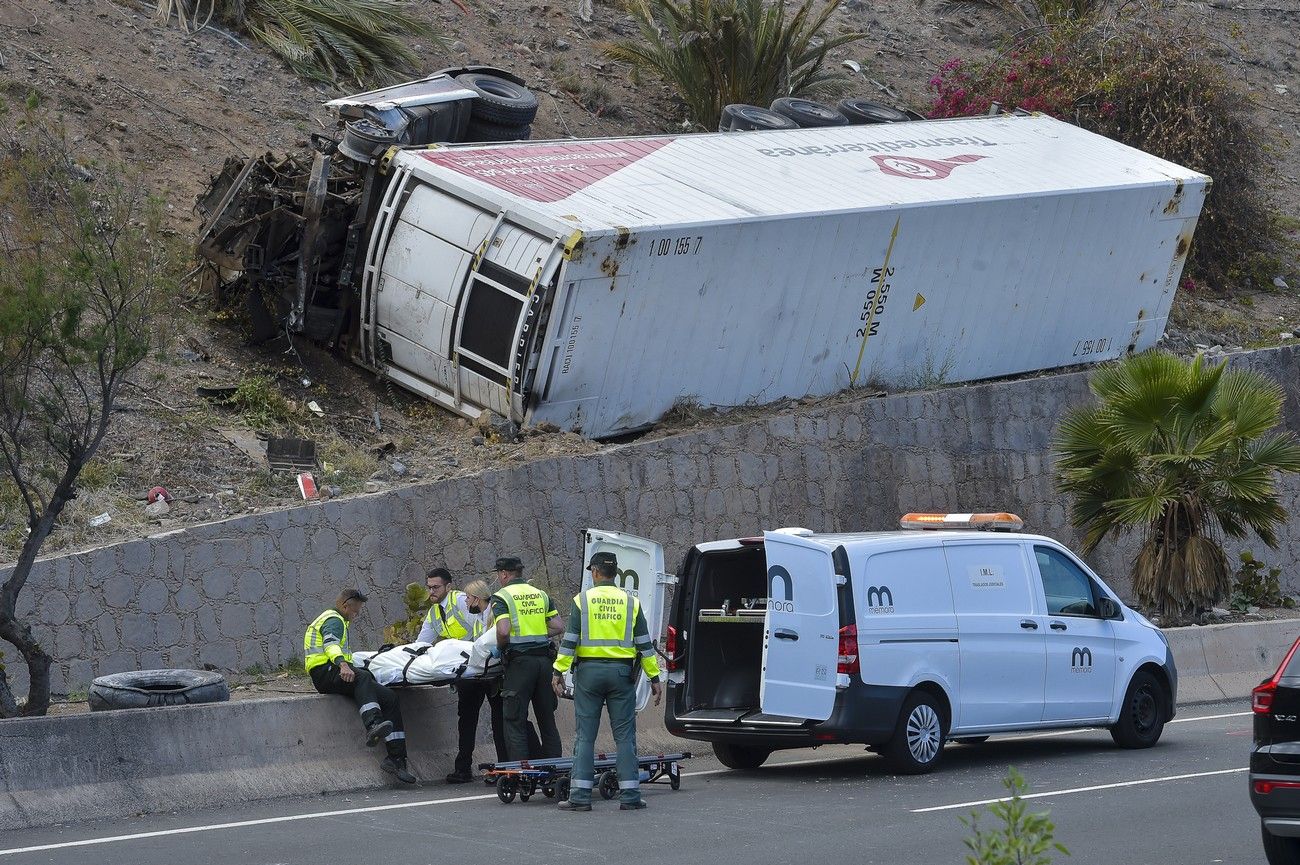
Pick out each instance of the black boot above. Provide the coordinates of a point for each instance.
(397, 766)
(376, 730)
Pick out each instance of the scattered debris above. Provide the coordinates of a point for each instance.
(291, 454)
(101, 520)
(158, 493)
(218, 393)
(157, 508)
(1279, 282)
(307, 486)
(315, 408)
(247, 442)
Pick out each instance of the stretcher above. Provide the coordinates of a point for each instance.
(550, 776)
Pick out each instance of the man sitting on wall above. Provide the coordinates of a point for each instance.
(329, 663)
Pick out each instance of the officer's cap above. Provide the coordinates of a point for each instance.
(605, 563)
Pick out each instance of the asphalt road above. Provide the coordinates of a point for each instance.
(1180, 803)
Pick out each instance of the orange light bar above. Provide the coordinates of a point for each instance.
(988, 521)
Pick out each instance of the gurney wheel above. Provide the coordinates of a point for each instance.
(674, 777)
(548, 790)
(506, 790)
(562, 790)
(608, 784)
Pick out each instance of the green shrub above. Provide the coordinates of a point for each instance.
(1257, 585)
(416, 601)
(364, 40)
(1024, 837)
(717, 52)
(1152, 85)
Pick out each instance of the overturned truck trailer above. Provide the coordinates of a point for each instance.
(594, 284)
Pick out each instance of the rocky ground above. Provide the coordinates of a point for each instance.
(173, 106)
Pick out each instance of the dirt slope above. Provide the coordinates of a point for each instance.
(174, 106)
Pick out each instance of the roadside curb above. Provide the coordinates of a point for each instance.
(1224, 662)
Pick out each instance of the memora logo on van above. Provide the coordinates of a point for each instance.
(780, 590)
(1081, 659)
(880, 599)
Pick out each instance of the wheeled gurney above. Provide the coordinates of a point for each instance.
(550, 776)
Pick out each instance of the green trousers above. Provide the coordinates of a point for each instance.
(527, 680)
(610, 684)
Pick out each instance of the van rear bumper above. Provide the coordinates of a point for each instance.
(863, 714)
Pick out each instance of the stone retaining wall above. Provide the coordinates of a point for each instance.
(237, 594)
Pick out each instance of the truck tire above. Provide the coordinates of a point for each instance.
(748, 118)
(1279, 850)
(144, 689)
(480, 131)
(499, 101)
(860, 111)
(1142, 714)
(917, 744)
(740, 756)
(808, 114)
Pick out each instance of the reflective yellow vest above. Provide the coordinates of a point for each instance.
(527, 607)
(606, 617)
(453, 623)
(315, 649)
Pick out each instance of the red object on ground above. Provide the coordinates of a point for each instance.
(307, 486)
(159, 493)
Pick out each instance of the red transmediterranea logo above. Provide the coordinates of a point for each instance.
(922, 169)
(546, 172)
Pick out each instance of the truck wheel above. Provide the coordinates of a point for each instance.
(865, 111)
(144, 689)
(480, 131)
(747, 118)
(499, 101)
(917, 744)
(740, 756)
(1279, 850)
(807, 113)
(1142, 714)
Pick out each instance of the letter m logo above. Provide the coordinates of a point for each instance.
(1081, 657)
(779, 576)
(880, 596)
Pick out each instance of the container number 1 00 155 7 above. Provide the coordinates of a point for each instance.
(675, 246)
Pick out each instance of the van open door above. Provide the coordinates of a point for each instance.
(640, 571)
(801, 640)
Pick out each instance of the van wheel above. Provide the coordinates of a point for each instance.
(1279, 850)
(1142, 714)
(917, 744)
(740, 756)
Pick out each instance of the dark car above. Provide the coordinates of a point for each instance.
(1275, 762)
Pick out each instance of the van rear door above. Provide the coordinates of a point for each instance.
(641, 572)
(801, 640)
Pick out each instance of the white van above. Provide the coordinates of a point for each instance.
(903, 641)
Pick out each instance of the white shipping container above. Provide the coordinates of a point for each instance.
(594, 284)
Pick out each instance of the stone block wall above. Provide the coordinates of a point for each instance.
(238, 593)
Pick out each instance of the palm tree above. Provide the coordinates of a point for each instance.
(1186, 452)
(718, 52)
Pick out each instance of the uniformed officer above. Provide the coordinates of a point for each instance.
(470, 694)
(449, 616)
(329, 663)
(525, 622)
(606, 634)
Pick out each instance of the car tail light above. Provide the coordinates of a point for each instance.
(1261, 698)
(848, 664)
(1263, 788)
(670, 649)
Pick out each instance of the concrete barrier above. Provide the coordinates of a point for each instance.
(104, 765)
(1217, 662)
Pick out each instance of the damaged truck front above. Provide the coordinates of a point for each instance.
(595, 284)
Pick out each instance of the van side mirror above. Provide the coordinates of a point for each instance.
(1108, 608)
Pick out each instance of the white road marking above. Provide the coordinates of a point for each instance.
(1094, 787)
(370, 809)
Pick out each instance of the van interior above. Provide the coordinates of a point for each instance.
(726, 612)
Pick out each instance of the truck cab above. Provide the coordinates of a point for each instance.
(953, 628)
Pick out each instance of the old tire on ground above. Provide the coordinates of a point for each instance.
(917, 744)
(865, 111)
(480, 131)
(740, 756)
(499, 101)
(1142, 714)
(1279, 850)
(750, 118)
(142, 689)
(808, 114)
